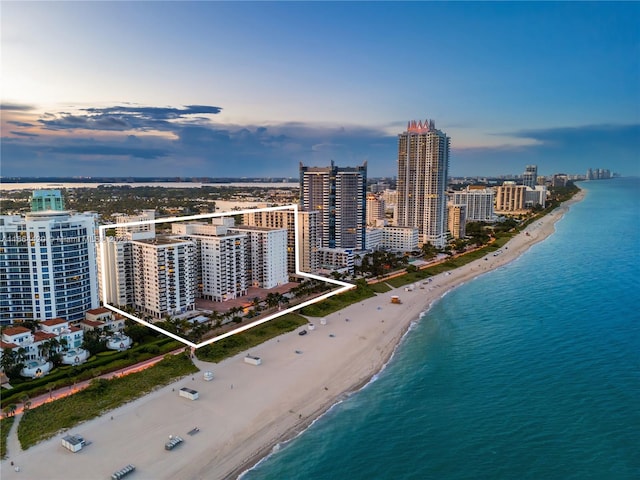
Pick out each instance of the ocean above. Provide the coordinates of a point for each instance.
(531, 371)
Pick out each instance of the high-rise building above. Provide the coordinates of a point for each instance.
(375, 209)
(423, 164)
(221, 261)
(456, 220)
(137, 232)
(530, 176)
(478, 201)
(308, 235)
(48, 266)
(42, 200)
(266, 255)
(510, 197)
(164, 276)
(115, 271)
(339, 194)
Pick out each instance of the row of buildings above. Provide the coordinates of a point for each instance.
(49, 260)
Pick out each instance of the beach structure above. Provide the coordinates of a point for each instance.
(123, 472)
(252, 360)
(423, 164)
(74, 443)
(173, 442)
(188, 393)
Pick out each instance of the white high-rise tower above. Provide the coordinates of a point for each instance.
(423, 164)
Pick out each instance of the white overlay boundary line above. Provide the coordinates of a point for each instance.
(345, 286)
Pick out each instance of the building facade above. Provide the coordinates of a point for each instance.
(221, 260)
(339, 195)
(164, 276)
(423, 164)
(48, 266)
(478, 201)
(456, 220)
(266, 255)
(43, 200)
(510, 197)
(375, 209)
(530, 176)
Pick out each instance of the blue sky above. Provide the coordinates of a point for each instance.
(252, 89)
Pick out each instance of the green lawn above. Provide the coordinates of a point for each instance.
(227, 347)
(380, 287)
(48, 419)
(338, 302)
(5, 427)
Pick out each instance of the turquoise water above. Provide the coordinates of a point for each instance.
(528, 372)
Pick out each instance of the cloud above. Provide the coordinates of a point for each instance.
(20, 124)
(561, 149)
(127, 118)
(16, 107)
(135, 141)
(25, 134)
(102, 150)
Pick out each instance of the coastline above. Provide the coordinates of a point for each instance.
(247, 410)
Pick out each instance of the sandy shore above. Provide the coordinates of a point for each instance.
(247, 409)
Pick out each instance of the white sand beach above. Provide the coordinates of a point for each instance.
(246, 410)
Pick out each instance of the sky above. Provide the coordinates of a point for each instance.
(248, 89)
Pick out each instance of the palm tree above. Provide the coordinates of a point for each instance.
(8, 360)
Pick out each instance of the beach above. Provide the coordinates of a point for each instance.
(246, 410)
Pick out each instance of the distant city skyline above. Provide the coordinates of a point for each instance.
(251, 89)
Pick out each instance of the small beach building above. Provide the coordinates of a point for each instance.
(73, 443)
(251, 360)
(188, 393)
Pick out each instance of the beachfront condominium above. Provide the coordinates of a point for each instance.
(518, 198)
(115, 271)
(48, 266)
(510, 197)
(478, 201)
(164, 276)
(339, 195)
(221, 262)
(530, 176)
(266, 255)
(307, 235)
(423, 163)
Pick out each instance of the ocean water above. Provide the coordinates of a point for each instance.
(531, 371)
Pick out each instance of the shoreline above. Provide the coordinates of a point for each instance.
(247, 410)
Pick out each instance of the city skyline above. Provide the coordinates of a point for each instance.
(219, 89)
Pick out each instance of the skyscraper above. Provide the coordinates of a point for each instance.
(530, 176)
(47, 266)
(423, 164)
(339, 194)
